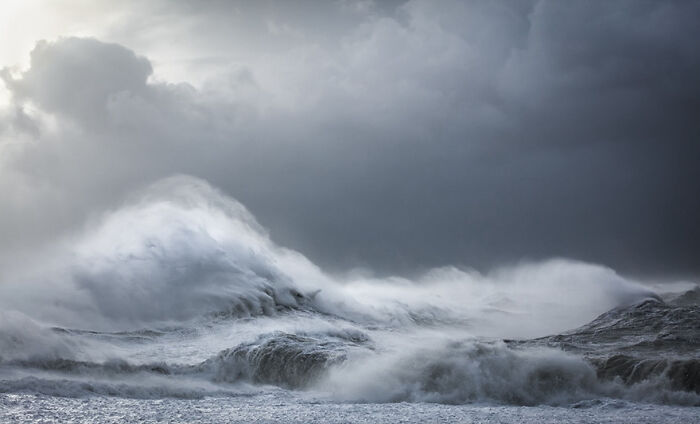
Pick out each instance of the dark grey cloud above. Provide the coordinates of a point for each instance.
(391, 136)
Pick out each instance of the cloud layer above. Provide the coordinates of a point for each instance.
(398, 137)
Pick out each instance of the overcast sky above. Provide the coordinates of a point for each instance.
(394, 136)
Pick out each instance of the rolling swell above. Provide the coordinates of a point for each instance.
(285, 360)
(680, 374)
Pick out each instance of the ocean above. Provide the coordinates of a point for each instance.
(179, 307)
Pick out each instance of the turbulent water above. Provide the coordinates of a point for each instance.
(178, 306)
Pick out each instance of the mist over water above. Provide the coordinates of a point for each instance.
(180, 292)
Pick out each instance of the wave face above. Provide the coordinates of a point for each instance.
(181, 293)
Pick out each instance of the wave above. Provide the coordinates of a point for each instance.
(180, 288)
(22, 338)
(452, 372)
(180, 250)
(688, 298)
(188, 251)
(476, 371)
(284, 360)
(679, 374)
(650, 327)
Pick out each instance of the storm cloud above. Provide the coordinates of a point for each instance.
(395, 136)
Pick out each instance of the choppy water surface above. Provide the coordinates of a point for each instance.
(286, 408)
(178, 306)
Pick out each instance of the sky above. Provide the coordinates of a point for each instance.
(391, 136)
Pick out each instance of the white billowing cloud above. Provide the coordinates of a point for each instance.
(79, 78)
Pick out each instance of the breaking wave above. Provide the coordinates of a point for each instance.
(467, 372)
(181, 293)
